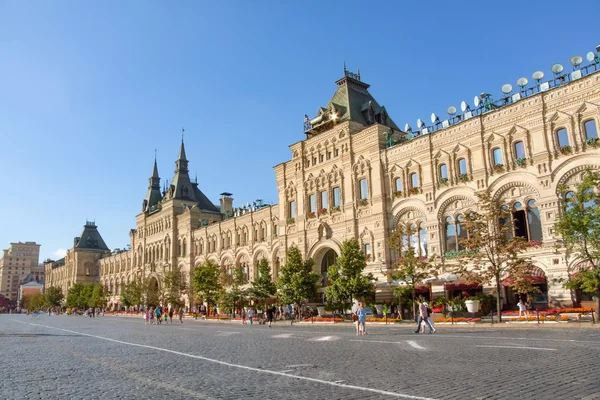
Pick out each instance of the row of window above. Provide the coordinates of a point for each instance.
(590, 130)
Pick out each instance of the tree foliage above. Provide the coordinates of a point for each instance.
(174, 287)
(33, 302)
(234, 295)
(410, 268)
(263, 286)
(54, 296)
(297, 281)
(84, 296)
(207, 283)
(345, 280)
(579, 226)
(132, 293)
(492, 251)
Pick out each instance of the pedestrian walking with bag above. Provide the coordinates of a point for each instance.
(423, 317)
(361, 320)
(181, 315)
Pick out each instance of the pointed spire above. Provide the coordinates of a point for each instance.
(155, 170)
(182, 148)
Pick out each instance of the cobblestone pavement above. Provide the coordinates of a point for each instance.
(61, 357)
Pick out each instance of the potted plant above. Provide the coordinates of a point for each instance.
(566, 149)
(443, 181)
(472, 304)
(464, 178)
(499, 168)
(521, 162)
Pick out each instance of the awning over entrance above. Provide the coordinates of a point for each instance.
(536, 275)
(461, 286)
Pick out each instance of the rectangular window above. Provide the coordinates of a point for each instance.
(314, 161)
(324, 200)
(336, 197)
(364, 190)
(336, 152)
(312, 202)
(292, 209)
(329, 155)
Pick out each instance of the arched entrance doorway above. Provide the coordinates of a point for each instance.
(329, 259)
(537, 299)
(152, 293)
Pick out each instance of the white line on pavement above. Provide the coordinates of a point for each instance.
(228, 364)
(415, 345)
(282, 336)
(516, 347)
(298, 365)
(287, 370)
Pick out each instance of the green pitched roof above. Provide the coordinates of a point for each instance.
(90, 238)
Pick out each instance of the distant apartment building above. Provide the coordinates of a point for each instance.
(18, 262)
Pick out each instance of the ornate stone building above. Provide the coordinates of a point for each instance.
(17, 262)
(357, 175)
(80, 264)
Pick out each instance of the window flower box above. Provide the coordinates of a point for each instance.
(291, 221)
(414, 190)
(464, 178)
(521, 162)
(335, 208)
(311, 214)
(499, 168)
(443, 181)
(322, 211)
(593, 142)
(566, 149)
(398, 193)
(363, 202)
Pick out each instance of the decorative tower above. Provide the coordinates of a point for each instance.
(181, 186)
(153, 197)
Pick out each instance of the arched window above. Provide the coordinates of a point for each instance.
(312, 203)
(497, 156)
(591, 131)
(364, 189)
(398, 184)
(414, 180)
(526, 221)
(562, 137)
(451, 241)
(462, 166)
(519, 150)
(443, 172)
(414, 239)
(422, 240)
(292, 209)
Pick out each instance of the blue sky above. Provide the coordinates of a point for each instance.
(88, 90)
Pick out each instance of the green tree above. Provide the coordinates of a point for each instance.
(54, 296)
(78, 296)
(150, 292)
(233, 295)
(263, 286)
(98, 296)
(579, 226)
(345, 280)
(207, 283)
(492, 252)
(33, 302)
(174, 286)
(132, 293)
(410, 268)
(297, 280)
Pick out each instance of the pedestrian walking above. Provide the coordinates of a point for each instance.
(147, 317)
(361, 314)
(171, 315)
(243, 316)
(158, 316)
(181, 315)
(522, 307)
(250, 315)
(270, 315)
(423, 317)
(429, 318)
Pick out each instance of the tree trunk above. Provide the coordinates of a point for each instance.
(595, 314)
(414, 310)
(498, 301)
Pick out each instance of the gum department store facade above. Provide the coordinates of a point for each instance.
(357, 175)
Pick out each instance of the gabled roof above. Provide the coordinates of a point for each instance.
(351, 102)
(90, 238)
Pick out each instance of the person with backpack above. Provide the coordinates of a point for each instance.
(423, 317)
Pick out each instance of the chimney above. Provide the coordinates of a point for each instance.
(226, 204)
